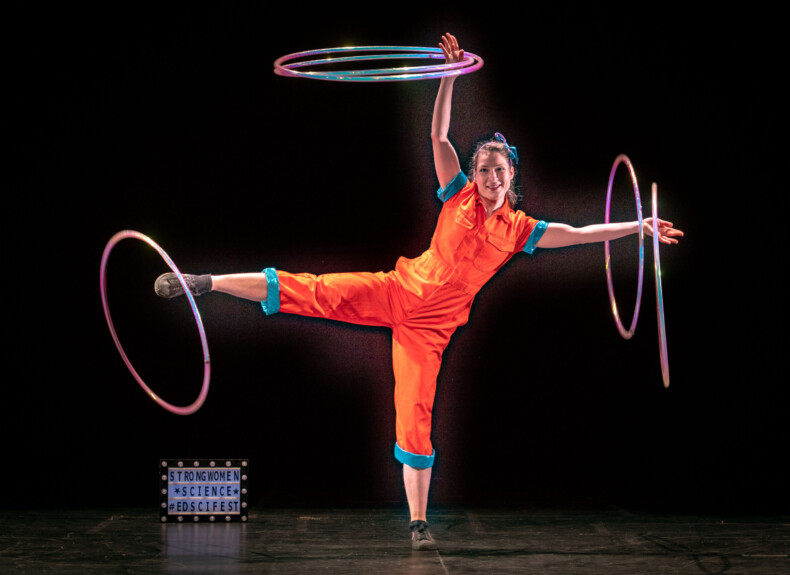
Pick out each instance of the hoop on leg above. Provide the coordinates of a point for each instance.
(178, 410)
(626, 334)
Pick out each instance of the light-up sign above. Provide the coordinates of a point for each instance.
(203, 489)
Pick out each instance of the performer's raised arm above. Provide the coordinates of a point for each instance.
(445, 158)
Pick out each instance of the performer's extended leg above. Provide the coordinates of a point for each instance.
(361, 298)
(251, 286)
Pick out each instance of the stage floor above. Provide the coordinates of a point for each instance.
(306, 541)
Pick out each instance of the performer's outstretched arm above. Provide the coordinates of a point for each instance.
(561, 235)
(445, 158)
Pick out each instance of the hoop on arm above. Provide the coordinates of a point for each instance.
(293, 64)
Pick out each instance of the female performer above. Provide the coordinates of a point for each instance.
(423, 300)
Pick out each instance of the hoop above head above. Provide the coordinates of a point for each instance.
(288, 65)
(178, 410)
(626, 334)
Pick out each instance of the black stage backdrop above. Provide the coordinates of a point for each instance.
(169, 120)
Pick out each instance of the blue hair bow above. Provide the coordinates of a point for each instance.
(513, 153)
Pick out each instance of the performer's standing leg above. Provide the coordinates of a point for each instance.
(417, 357)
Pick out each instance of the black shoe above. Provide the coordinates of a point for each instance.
(421, 539)
(167, 285)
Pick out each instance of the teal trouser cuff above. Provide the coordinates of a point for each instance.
(272, 303)
(414, 460)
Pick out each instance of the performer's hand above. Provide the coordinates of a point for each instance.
(449, 45)
(666, 232)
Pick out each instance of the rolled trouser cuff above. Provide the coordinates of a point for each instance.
(271, 304)
(414, 460)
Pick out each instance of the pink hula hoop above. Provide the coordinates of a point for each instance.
(625, 333)
(662, 331)
(293, 65)
(178, 410)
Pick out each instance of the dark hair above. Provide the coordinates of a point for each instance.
(500, 147)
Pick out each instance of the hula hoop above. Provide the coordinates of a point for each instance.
(287, 66)
(178, 410)
(626, 334)
(662, 332)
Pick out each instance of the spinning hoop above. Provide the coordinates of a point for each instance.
(187, 410)
(286, 66)
(626, 334)
(662, 332)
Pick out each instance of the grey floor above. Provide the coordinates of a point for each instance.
(376, 541)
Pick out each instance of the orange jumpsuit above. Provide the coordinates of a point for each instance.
(423, 300)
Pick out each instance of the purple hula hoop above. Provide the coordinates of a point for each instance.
(288, 65)
(178, 410)
(662, 332)
(626, 334)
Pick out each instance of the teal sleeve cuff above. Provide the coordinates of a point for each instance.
(535, 236)
(272, 303)
(453, 187)
(414, 460)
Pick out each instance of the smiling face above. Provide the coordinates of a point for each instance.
(493, 175)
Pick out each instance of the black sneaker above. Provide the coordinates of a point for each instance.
(167, 285)
(421, 539)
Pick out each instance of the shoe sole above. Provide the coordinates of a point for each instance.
(424, 545)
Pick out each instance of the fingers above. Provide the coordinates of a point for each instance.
(450, 41)
(668, 235)
(661, 223)
(443, 46)
(664, 230)
(449, 46)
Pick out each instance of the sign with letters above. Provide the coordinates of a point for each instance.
(203, 490)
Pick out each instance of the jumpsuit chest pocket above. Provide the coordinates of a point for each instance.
(455, 229)
(496, 250)
(463, 220)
